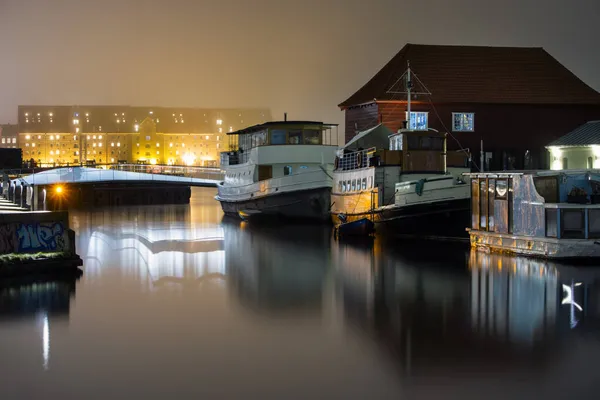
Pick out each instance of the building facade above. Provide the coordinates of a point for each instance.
(578, 149)
(9, 136)
(508, 101)
(67, 135)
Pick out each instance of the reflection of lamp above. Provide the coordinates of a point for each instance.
(568, 299)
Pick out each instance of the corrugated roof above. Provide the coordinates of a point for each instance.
(585, 135)
(477, 74)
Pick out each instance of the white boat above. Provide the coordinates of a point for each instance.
(279, 169)
(402, 179)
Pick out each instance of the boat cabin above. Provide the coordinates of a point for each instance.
(542, 204)
(278, 149)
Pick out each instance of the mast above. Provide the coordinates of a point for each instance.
(408, 87)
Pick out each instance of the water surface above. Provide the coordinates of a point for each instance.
(177, 302)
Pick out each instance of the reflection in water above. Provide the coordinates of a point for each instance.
(40, 300)
(271, 268)
(178, 298)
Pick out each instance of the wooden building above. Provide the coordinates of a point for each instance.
(512, 100)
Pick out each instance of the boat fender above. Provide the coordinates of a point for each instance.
(359, 160)
(419, 187)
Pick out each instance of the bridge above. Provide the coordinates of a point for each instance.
(22, 186)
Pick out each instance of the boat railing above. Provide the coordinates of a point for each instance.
(355, 160)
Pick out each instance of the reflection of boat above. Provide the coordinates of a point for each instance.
(277, 269)
(282, 169)
(428, 313)
(535, 213)
(408, 186)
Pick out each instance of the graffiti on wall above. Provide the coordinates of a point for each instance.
(33, 237)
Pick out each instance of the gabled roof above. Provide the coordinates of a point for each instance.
(378, 136)
(585, 135)
(478, 74)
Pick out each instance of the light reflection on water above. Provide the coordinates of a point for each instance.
(177, 300)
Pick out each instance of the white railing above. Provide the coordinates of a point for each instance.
(355, 160)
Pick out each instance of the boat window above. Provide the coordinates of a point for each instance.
(501, 189)
(590, 163)
(340, 187)
(353, 185)
(370, 182)
(343, 186)
(278, 136)
(312, 136)
(364, 184)
(347, 186)
(565, 163)
(259, 138)
(287, 170)
(295, 136)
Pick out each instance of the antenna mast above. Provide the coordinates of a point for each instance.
(408, 87)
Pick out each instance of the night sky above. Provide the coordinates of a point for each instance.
(303, 57)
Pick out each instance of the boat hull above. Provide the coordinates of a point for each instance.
(312, 204)
(539, 247)
(443, 218)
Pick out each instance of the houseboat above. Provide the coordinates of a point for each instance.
(549, 214)
(279, 169)
(406, 180)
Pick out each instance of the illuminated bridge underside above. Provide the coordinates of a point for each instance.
(75, 175)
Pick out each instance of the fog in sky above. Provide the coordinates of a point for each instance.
(303, 57)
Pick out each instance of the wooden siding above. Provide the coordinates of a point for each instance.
(359, 119)
(507, 131)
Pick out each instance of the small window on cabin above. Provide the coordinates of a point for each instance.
(348, 186)
(353, 185)
(418, 120)
(312, 136)
(278, 136)
(340, 187)
(590, 163)
(565, 163)
(364, 184)
(295, 136)
(287, 170)
(501, 189)
(370, 182)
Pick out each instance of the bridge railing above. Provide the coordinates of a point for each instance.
(115, 172)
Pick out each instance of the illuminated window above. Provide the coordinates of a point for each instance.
(118, 144)
(170, 144)
(157, 144)
(157, 152)
(27, 137)
(88, 137)
(418, 120)
(112, 144)
(94, 145)
(137, 127)
(100, 137)
(94, 137)
(147, 137)
(219, 122)
(99, 144)
(220, 130)
(463, 122)
(74, 137)
(112, 160)
(39, 136)
(207, 137)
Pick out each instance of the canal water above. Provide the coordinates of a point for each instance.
(177, 302)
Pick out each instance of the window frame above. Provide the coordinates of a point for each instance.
(462, 127)
(415, 119)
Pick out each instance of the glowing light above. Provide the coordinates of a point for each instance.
(51, 114)
(153, 161)
(100, 137)
(137, 127)
(75, 122)
(189, 159)
(219, 122)
(27, 137)
(59, 189)
(76, 130)
(112, 160)
(157, 144)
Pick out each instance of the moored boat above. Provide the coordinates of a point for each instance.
(279, 170)
(405, 180)
(548, 214)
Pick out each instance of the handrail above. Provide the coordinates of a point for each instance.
(355, 160)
